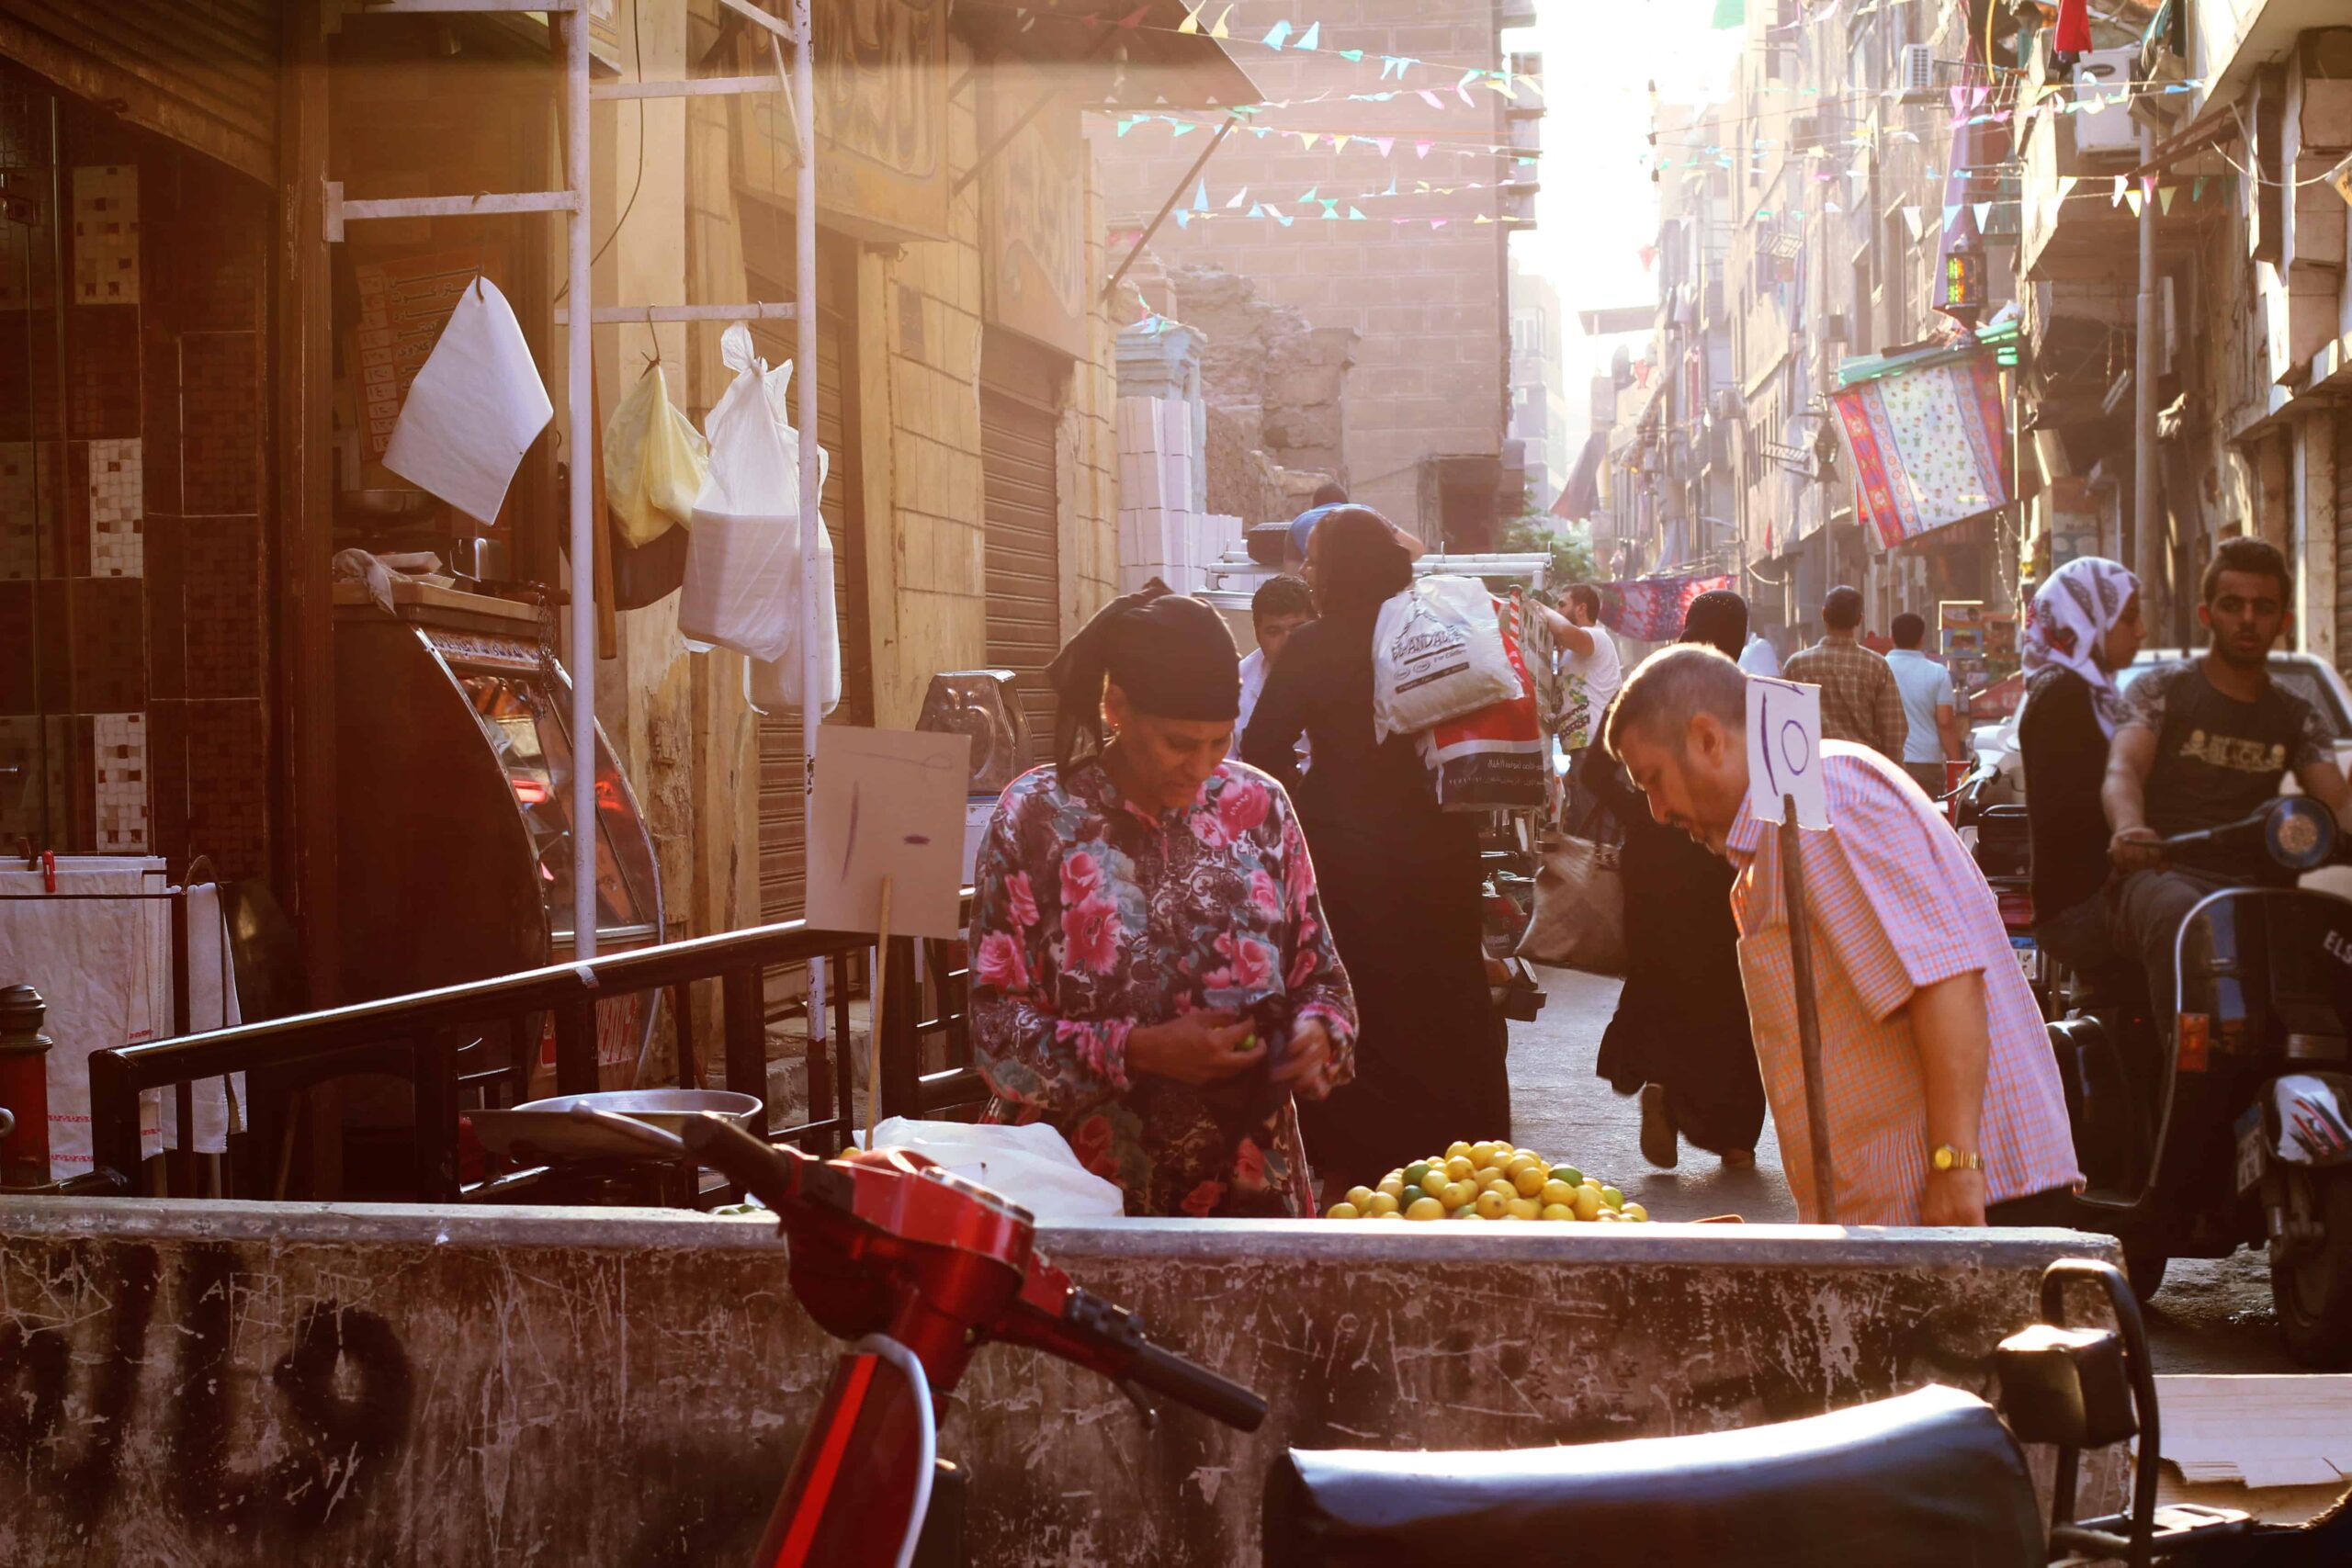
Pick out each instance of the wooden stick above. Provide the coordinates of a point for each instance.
(874, 1024)
(1816, 1093)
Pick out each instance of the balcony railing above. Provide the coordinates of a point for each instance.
(419, 1038)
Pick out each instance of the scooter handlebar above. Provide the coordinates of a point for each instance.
(777, 1177)
(1191, 1384)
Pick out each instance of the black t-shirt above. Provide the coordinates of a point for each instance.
(2219, 760)
(2065, 753)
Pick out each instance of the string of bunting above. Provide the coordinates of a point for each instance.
(2090, 104)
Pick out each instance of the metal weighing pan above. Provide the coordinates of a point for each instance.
(550, 1132)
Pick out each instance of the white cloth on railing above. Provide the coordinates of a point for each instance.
(103, 964)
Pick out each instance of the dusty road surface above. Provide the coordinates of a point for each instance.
(2209, 1317)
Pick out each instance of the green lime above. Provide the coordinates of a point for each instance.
(1415, 1171)
(1248, 1043)
(1569, 1174)
(1610, 1196)
(1467, 1212)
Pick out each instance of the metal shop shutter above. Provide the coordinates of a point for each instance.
(1023, 550)
(203, 72)
(2343, 540)
(783, 853)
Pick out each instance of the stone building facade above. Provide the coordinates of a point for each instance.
(1374, 242)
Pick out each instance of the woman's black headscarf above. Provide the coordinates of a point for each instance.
(1170, 654)
(1361, 565)
(1718, 618)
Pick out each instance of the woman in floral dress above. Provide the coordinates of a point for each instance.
(1151, 969)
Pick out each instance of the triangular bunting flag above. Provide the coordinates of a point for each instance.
(1284, 219)
(1430, 98)
(2132, 199)
(1309, 195)
(1951, 214)
(1191, 22)
(1275, 34)
(1238, 196)
(1306, 139)
(1984, 211)
(2197, 191)
(1355, 216)
(1421, 149)
(1440, 222)
(1255, 211)
(2163, 198)
(1351, 56)
(2148, 184)
(1913, 221)
(1384, 143)
(1219, 30)
(1340, 143)
(2065, 186)
(1183, 219)
(1184, 128)
(1311, 36)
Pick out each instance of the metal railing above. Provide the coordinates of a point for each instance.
(419, 1037)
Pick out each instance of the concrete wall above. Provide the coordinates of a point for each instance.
(265, 1383)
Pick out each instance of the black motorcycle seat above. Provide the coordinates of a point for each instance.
(1931, 1478)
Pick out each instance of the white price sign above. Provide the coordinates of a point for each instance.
(1784, 750)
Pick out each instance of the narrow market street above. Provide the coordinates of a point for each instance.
(2213, 1315)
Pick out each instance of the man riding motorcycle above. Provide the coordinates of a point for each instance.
(2202, 744)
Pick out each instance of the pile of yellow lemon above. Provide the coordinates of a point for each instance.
(1487, 1181)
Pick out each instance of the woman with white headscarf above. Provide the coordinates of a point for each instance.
(2083, 627)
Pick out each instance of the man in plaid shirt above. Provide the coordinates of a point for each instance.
(1944, 1101)
(1859, 699)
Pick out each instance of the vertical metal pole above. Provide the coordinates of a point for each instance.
(2148, 557)
(804, 386)
(579, 353)
(1816, 1093)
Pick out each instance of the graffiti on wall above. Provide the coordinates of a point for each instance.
(137, 1385)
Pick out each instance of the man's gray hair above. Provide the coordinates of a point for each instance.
(1670, 688)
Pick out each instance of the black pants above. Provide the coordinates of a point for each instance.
(2054, 1210)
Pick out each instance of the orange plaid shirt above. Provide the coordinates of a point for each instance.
(1894, 905)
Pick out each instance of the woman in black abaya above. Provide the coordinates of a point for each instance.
(1681, 1033)
(1400, 879)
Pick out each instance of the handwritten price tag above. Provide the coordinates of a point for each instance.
(1784, 750)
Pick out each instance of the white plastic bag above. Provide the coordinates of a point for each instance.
(742, 583)
(656, 462)
(1033, 1165)
(1437, 653)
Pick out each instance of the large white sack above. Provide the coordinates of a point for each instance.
(1437, 653)
(1033, 1165)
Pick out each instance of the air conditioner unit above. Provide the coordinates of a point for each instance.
(2103, 73)
(1914, 73)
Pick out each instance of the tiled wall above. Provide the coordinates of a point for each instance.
(132, 630)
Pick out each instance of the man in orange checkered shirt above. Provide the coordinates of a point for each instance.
(1944, 1102)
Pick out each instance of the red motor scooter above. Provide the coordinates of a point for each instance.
(918, 1268)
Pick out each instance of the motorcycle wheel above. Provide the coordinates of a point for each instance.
(2310, 1287)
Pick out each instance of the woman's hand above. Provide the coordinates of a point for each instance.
(1305, 1067)
(1195, 1048)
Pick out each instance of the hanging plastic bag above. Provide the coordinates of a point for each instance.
(655, 462)
(742, 586)
(1579, 919)
(773, 684)
(1031, 1165)
(1437, 653)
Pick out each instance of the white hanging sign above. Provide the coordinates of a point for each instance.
(1784, 750)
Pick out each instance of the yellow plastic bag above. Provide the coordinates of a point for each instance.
(655, 462)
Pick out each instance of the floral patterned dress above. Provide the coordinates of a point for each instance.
(1092, 916)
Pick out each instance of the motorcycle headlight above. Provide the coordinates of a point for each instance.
(2300, 834)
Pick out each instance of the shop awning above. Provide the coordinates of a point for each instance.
(1156, 65)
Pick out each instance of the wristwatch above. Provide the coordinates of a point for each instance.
(1946, 1157)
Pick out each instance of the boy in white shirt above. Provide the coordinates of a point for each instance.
(1280, 607)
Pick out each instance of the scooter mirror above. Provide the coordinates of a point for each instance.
(2300, 833)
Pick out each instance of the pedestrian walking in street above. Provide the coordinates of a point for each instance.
(1679, 1035)
(1399, 878)
(1589, 675)
(1136, 907)
(1931, 716)
(1760, 657)
(1943, 1098)
(1280, 607)
(1860, 700)
(2083, 626)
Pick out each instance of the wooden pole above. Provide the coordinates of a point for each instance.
(1816, 1094)
(874, 1024)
